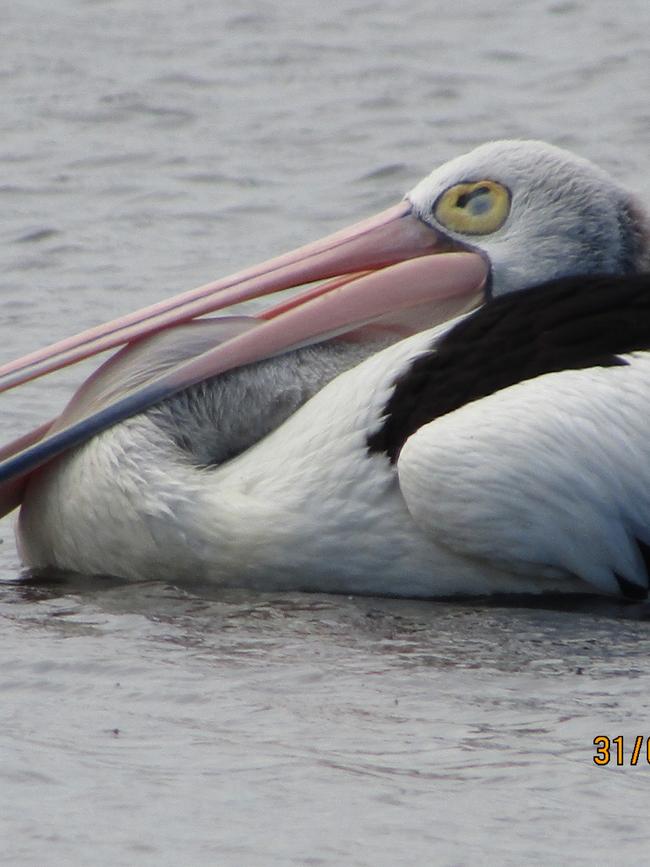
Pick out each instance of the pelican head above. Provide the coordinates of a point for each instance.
(536, 212)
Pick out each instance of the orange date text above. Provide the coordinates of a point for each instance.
(621, 751)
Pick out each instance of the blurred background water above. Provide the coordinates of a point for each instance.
(148, 149)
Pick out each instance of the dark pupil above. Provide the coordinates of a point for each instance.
(463, 200)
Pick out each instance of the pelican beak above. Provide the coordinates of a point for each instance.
(384, 273)
(375, 245)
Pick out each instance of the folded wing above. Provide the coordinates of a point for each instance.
(548, 476)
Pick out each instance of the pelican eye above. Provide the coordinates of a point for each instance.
(476, 208)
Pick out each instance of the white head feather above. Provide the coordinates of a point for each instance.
(567, 216)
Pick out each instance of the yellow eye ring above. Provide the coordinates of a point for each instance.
(476, 208)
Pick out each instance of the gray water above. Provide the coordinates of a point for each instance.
(145, 150)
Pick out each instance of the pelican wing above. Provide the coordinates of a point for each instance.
(550, 476)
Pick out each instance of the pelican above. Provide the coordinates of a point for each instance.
(459, 409)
